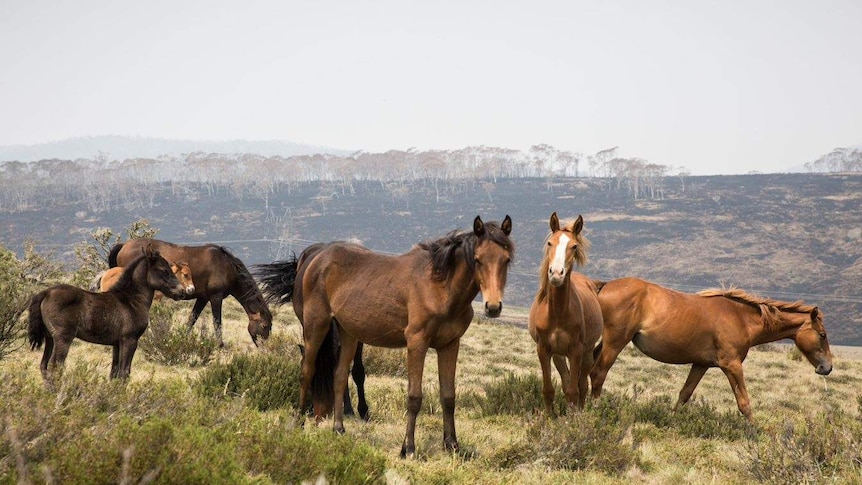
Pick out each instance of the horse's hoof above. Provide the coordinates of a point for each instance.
(451, 446)
(408, 452)
(339, 429)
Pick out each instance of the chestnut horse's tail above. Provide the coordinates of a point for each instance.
(112, 256)
(36, 328)
(277, 280)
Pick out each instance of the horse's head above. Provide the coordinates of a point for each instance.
(491, 259)
(565, 246)
(812, 342)
(184, 274)
(160, 276)
(259, 325)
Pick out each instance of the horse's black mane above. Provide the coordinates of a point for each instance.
(126, 280)
(445, 250)
(251, 293)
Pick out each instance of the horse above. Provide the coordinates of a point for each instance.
(323, 395)
(108, 278)
(117, 317)
(420, 299)
(565, 318)
(713, 328)
(218, 274)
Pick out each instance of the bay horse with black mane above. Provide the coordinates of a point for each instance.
(420, 299)
(565, 318)
(117, 317)
(217, 274)
(714, 328)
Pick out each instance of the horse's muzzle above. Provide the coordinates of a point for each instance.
(823, 369)
(190, 290)
(493, 311)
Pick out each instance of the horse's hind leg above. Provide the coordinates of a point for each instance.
(358, 373)
(694, 376)
(46, 356)
(215, 305)
(348, 350)
(609, 348)
(733, 371)
(61, 350)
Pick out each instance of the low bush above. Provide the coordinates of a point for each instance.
(819, 450)
(169, 344)
(379, 361)
(264, 380)
(513, 394)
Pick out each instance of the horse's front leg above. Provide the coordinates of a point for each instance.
(447, 359)
(573, 394)
(115, 360)
(544, 354)
(733, 371)
(128, 346)
(416, 351)
(200, 303)
(348, 349)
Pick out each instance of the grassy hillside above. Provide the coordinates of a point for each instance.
(793, 236)
(161, 424)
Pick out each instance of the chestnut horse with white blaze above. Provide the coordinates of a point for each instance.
(565, 318)
(713, 328)
(420, 299)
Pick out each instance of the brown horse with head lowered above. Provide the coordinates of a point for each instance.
(565, 319)
(714, 328)
(420, 299)
(217, 275)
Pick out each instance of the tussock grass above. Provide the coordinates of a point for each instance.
(233, 419)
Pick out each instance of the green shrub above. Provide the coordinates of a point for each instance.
(577, 441)
(514, 394)
(822, 449)
(286, 454)
(265, 380)
(170, 344)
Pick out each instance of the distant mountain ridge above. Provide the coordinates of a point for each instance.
(117, 147)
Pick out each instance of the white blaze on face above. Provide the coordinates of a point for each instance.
(558, 264)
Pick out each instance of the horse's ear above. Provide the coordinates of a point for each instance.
(478, 226)
(814, 313)
(151, 252)
(507, 225)
(579, 225)
(554, 222)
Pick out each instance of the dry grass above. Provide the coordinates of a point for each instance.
(784, 391)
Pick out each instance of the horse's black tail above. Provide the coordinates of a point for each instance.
(112, 256)
(323, 381)
(36, 328)
(597, 351)
(277, 279)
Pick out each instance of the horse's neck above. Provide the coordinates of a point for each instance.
(561, 298)
(462, 286)
(785, 326)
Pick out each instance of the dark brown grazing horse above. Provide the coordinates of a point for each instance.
(714, 328)
(117, 317)
(565, 319)
(217, 275)
(108, 278)
(421, 299)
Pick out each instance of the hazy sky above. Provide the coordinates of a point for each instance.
(720, 87)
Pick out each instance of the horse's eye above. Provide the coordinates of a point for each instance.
(549, 243)
(822, 335)
(478, 263)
